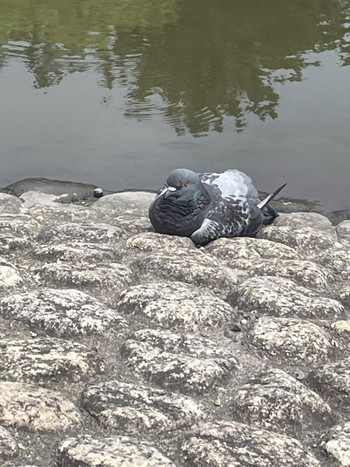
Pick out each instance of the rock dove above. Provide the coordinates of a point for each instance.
(207, 206)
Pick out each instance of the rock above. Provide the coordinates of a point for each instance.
(103, 280)
(305, 219)
(332, 381)
(35, 409)
(338, 260)
(130, 224)
(309, 242)
(344, 294)
(8, 445)
(153, 242)
(337, 444)
(66, 312)
(9, 276)
(185, 363)
(139, 410)
(201, 270)
(302, 272)
(75, 252)
(63, 214)
(175, 304)
(9, 204)
(276, 401)
(84, 232)
(130, 202)
(19, 225)
(248, 248)
(289, 340)
(282, 297)
(117, 451)
(343, 231)
(47, 359)
(226, 444)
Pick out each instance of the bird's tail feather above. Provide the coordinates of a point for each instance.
(269, 213)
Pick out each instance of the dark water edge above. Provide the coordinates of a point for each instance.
(85, 193)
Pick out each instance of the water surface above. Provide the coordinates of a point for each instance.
(120, 92)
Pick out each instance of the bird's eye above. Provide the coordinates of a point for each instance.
(186, 182)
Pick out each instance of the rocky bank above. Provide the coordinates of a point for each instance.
(123, 347)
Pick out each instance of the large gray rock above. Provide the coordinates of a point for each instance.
(20, 225)
(201, 270)
(175, 304)
(282, 297)
(231, 444)
(338, 260)
(289, 340)
(9, 275)
(139, 410)
(337, 444)
(66, 312)
(9, 204)
(274, 400)
(343, 231)
(155, 242)
(305, 219)
(119, 451)
(129, 202)
(76, 252)
(63, 214)
(47, 359)
(332, 381)
(182, 362)
(36, 409)
(8, 445)
(86, 232)
(229, 249)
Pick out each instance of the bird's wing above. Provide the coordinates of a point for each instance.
(232, 183)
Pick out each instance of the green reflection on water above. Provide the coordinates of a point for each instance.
(203, 60)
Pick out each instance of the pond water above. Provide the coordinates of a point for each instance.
(120, 92)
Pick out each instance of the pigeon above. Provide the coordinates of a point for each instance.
(207, 206)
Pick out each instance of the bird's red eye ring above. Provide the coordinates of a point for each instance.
(186, 182)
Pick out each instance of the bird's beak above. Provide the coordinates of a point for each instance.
(168, 190)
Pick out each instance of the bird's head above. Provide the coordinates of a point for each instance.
(179, 181)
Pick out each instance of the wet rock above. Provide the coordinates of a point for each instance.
(139, 410)
(337, 444)
(302, 272)
(226, 444)
(8, 445)
(309, 242)
(305, 219)
(175, 304)
(343, 231)
(290, 340)
(47, 358)
(84, 232)
(274, 400)
(118, 451)
(153, 242)
(186, 363)
(332, 381)
(248, 248)
(65, 312)
(9, 204)
(282, 297)
(201, 270)
(33, 408)
(75, 252)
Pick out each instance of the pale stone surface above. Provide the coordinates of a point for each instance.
(119, 451)
(9, 204)
(171, 304)
(185, 363)
(20, 225)
(305, 219)
(290, 340)
(137, 409)
(282, 297)
(86, 232)
(228, 444)
(47, 358)
(337, 444)
(62, 312)
(153, 242)
(132, 202)
(250, 248)
(338, 260)
(63, 214)
(274, 400)
(201, 270)
(34, 408)
(77, 252)
(343, 231)
(9, 275)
